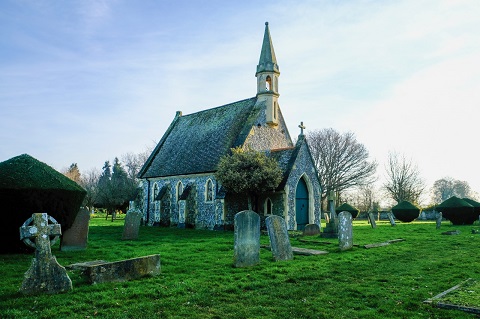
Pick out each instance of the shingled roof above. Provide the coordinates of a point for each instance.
(195, 143)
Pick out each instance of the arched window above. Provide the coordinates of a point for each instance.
(268, 207)
(179, 190)
(268, 83)
(155, 192)
(209, 191)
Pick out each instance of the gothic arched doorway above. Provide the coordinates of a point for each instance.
(301, 206)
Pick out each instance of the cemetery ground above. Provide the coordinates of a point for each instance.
(198, 280)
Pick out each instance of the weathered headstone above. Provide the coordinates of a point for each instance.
(391, 218)
(279, 240)
(246, 239)
(45, 275)
(371, 218)
(311, 230)
(331, 227)
(439, 220)
(345, 231)
(132, 224)
(75, 238)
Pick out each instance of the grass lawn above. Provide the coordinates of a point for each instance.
(198, 280)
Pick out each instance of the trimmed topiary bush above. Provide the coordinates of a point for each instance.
(458, 211)
(28, 186)
(347, 208)
(405, 211)
(475, 204)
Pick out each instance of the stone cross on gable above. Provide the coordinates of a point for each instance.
(302, 127)
(45, 275)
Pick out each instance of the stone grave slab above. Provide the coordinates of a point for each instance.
(246, 239)
(99, 272)
(451, 232)
(345, 231)
(279, 240)
(384, 243)
(132, 224)
(391, 218)
(302, 251)
(76, 237)
(439, 220)
(440, 300)
(45, 275)
(311, 230)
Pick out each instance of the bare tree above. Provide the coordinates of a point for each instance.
(447, 187)
(73, 173)
(403, 180)
(89, 181)
(341, 161)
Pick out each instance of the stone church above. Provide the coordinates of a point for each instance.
(179, 185)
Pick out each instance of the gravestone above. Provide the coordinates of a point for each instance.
(279, 241)
(391, 219)
(45, 275)
(345, 231)
(246, 239)
(311, 230)
(132, 224)
(331, 228)
(439, 220)
(371, 218)
(75, 238)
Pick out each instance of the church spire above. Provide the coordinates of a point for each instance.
(267, 78)
(268, 61)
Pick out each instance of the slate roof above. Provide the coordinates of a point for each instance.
(285, 158)
(195, 143)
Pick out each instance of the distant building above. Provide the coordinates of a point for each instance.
(179, 186)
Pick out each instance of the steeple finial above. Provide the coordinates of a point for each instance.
(268, 61)
(302, 127)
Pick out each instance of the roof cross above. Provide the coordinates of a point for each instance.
(302, 127)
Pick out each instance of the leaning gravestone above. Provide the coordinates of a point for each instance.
(279, 241)
(439, 220)
(246, 239)
(371, 218)
(345, 231)
(391, 219)
(45, 275)
(75, 238)
(311, 230)
(132, 224)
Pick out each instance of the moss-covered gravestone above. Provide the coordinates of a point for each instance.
(28, 186)
(405, 211)
(246, 239)
(458, 211)
(279, 240)
(45, 274)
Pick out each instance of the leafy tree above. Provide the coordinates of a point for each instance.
(447, 187)
(248, 172)
(403, 182)
(341, 161)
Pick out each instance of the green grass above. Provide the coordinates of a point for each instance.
(198, 280)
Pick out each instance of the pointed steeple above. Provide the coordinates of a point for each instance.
(267, 79)
(268, 61)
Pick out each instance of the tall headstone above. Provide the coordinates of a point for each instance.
(76, 237)
(279, 240)
(331, 227)
(45, 275)
(391, 219)
(132, 224)
(246, 239)
(371, 218)
(439, 219)
(345, 231)
(311, 230)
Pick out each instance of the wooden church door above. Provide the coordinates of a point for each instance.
(301, 208)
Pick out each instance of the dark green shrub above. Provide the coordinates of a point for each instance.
(405, 211)
(28, 186)
(347, 208)
(458, 211)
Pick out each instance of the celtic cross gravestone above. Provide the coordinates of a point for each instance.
(45, 275)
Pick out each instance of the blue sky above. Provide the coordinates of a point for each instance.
(85, 81)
